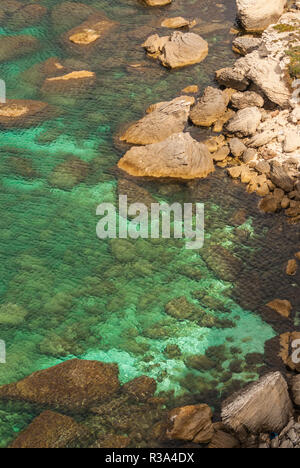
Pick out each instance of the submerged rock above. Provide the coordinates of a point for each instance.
(179, 156)
(190, 423)
(70, 173)
(157, 2)
(178, 22)
(261, 407)
(141, 388)
(23, 113)
(74, 385)
(51, 430)
(14, 47)
(282, 307)
(178, 50)
(85, 37)
(24, 16)
(163, 119)
(71, 83)
(222, 262)
(256, 15)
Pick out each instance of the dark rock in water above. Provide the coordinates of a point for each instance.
(68, 174)
(296, 389)
(24, 17)
(24, 113)
(74, 385)
(72, 83)
(67, 15)
(140, 389)
(201, 363)
(190, 423)
(14, 47)
(261, 407)
(51, 430)
(22, 167)
(222, 439)
(222, 262)
(135, 193)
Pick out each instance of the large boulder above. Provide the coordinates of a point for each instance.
(163, 119)
(190, 423)
(261, 407)
(178, 50)
(23, 113)
(245, 122)
(179, 156)
(74, 385)
(210, 108)
(257, 15)
(51, 430)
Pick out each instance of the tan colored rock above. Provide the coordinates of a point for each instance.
(292, 267)
(245, 44)
(190, 423)
(268, 204)
(256, 16)
(178, 22)
(178, 50)
(247, 99)
(50, 430)
(74, 385)
(282, 307)
(297, 255)
(163, 119)
(245, 122)
(193, 89)
(296, 389)
(222, 439)
(70, 83)
(179, 156)
(23, 113)
(232, 78)
(210, 108)
(157, 2)
(261, 407)
(13, 47)
(221, 154)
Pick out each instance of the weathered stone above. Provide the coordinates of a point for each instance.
(247, 99)
(163, 119)
(210, 108)
(263, 406)
(256, 15)
(245, 44)
(237, 147)
(249, 155)
(223, 440)
(296, 389)
(261, 139)
(292, 141)
(245, 121)
(232, 78)
(292, 267)
(179, 156)
(178, 22)
(13, 47)
(73, 385)
(222, 262)
(190, 423)
(51, 430)
(178, 50)
(221, 154)
(193, 89)
(282, 307)
(281, 177)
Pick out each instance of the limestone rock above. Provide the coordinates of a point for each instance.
(282, 307)
(193, 89)
(245, 44)
(50, 430)
(237, 147)
(210, 108)
(245, 122)
(73, 385)
(247, 99)
(23, 113)
(263, 406)
(179, 156)
(261, 139)
(178, 50)
(232, 78)
(292, 267)
(164, 119)
(190, 423)
(256, 15)
(281, 177)
(292, 141)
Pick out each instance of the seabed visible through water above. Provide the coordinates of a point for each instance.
(64, 293)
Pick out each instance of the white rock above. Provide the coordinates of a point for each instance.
(257, 15)
(292, 141)
(245, 122)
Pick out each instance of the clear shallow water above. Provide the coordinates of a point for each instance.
(76, 296)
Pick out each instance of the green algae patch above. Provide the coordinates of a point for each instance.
(294, 67)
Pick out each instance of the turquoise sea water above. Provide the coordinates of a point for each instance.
(63, 292)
